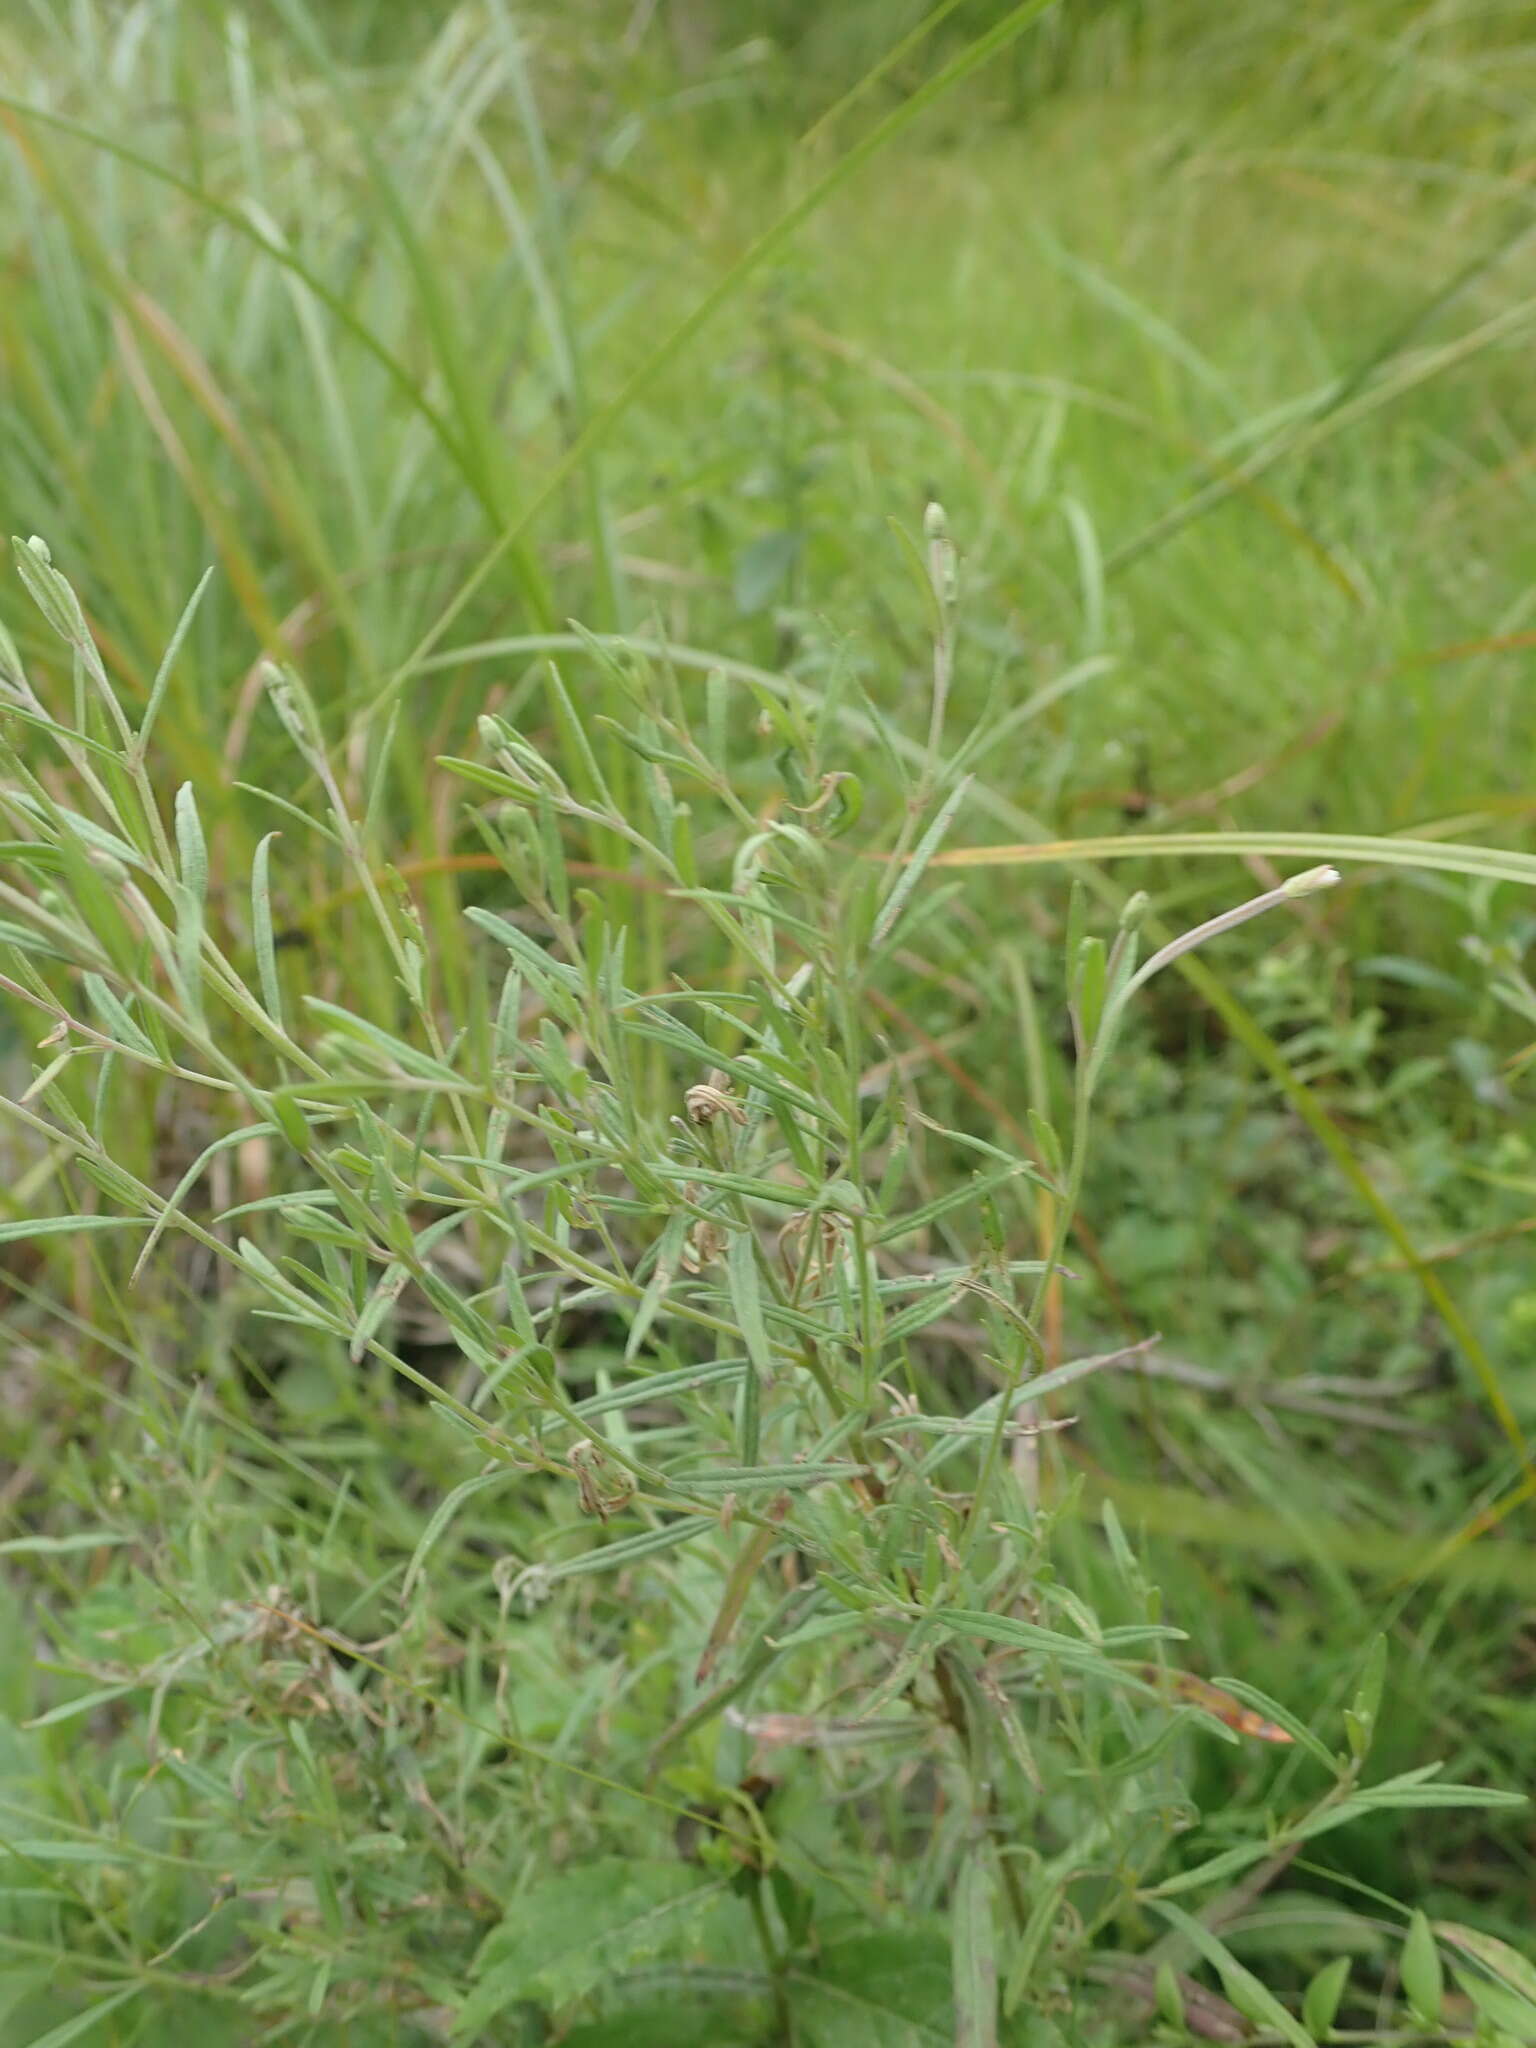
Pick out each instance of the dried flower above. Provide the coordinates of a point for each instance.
(705, 1242)
(708, 1099)
(601, 1485)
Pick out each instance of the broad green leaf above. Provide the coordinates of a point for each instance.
(876, 1991)
(580, 1929)
(685, 2020)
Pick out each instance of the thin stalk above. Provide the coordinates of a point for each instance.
(1066, 1209)
(784, 2022)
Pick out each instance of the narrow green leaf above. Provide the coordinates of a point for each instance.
(1045, 1642)
(1511, 1968)
(21, 1228)
(1168, 1997)
(441, 1516)
(668, 1252)
(743, 1478)
(1411, 1790)
(1360, 1718)
(942, 1205)
(661, 1386)
(1440, 856)
(1277, 1711)
(739, 1581)
(56, 1849)
(1028, 1395)
(1077, 927)
(609, 1557)
(1052, 1157)
(777, 1193)
(50, 592)
(87, 2021)
(191, 845)
(1510, 2018)
(1320, 2003)
(262, 936)
(911, 872)
(167, 664)
(1240, 1985)
(186, 1184)
(1423, 1977)
(58, 1546)
(975, 1951)
(114, 1015)
(189, 897)
(87, 1703)
(394, 1051)
(745, 1283)
(1089, 983)
(289, 1119)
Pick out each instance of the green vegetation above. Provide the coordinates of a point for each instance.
(654, 1394)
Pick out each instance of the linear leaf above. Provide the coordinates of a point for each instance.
(86, 2022)
(911, 872)
(441, 1516)
(23, 1227)
(975, 1952)
(1444, 857)
(747, 1301)
(1244, 1990)
(610, 1556)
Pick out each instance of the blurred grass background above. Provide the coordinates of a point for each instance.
(1211, 331)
